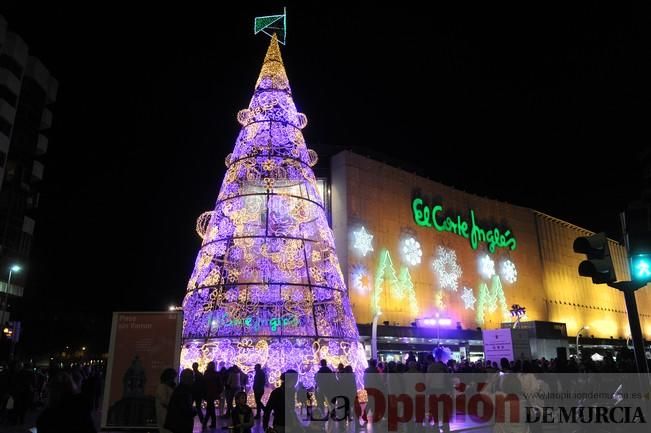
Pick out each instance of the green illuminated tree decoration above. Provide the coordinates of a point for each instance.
(398, 287)
(385, 271)
(408, 287)
(491, 300)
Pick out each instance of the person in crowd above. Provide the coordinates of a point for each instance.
(22, 390)
(511, 385)
(372, 382)
(5, 396)
(180, 416)
(214, 390)
(198, 391)
(326, 383)
(232, 386)
(163, 395)
(439, 382)
(242, 414)
(244, 380)
(223, 375)
(282, 421)
(259, 382)
(91, 388)
(64, 412)
(349, 388)
(340, 370)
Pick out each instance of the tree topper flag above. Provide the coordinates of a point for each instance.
(271, 24)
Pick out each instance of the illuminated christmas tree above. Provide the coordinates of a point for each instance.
(267, 287)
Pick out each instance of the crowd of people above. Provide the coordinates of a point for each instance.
(68, 400)
(176, 406)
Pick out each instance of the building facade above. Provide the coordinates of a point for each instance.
(26, 91)
(425, 255)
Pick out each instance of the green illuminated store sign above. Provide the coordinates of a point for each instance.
(434, 216)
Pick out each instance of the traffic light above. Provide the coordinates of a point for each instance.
(599, 265)
(641, 268)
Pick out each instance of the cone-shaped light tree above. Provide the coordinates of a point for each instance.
(267, 287)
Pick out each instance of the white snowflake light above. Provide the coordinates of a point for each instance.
(361, 280)
(509, 272)
(487, 266)
(468, 298)
(447, 268)
(362, 241)
(411, 251)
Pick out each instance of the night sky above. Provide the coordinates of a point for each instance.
(538, 105)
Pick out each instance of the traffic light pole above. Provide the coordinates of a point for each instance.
(629, 288)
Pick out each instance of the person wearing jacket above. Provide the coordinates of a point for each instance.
(180, 415)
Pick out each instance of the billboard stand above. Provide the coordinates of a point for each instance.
(143, 344)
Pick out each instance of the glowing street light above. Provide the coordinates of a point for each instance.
(12, 269)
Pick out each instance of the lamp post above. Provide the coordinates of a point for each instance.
(5, 315)
(438, 330)
(578, 334)
(374, 335)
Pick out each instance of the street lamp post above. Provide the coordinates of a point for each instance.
(374, 335)
(438, 330)
(578, 334)
(5, 315)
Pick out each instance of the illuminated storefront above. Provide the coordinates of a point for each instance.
(419, 254)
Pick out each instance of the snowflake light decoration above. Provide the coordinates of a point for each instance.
(486, 266)
(509, 272)
(447, 268)
(468, 298)
(361, 279)
(411, 251)
(362, 241)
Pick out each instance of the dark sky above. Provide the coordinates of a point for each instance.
(538, 105)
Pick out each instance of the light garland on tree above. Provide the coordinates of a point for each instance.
(509, 272)
(411, 251)
(486, 266)
(468, 298)
(362, 241)
(447, 269)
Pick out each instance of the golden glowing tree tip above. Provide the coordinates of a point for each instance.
(273, 52)
(273, 75)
